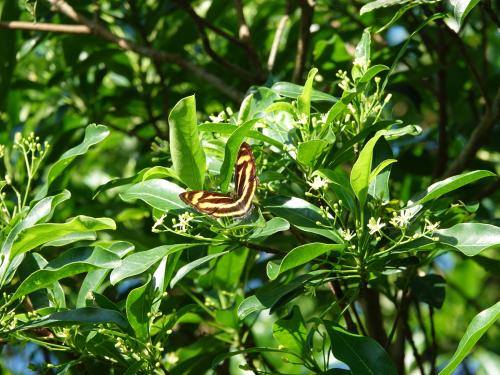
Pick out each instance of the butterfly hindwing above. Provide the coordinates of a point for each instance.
(222, 205)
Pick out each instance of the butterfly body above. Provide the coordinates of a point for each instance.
(237, 204)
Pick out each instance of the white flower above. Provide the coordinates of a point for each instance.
(430, 226)
(317, 183)
(158, 222)
(219, 118)
(347, 234)
(375, 225)
(401, 220)
(183, 224)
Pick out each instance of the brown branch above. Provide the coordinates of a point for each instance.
(246, 39)
(307, 11)
(478, 137)
(434, 348)
(373, 313)
(277, 37)
(161, 56)
(47, 27)
(337, 292)
(416, 354)
(201, 25)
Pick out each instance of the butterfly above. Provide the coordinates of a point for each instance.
(236, 204)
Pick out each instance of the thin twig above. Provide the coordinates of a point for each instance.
(434, 348)
(336, 290)
(478, 137)
(166, 57)
(418, 358)
(306, 17)
(277, 37)
(47, 27)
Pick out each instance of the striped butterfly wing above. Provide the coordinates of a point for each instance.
(237, 204)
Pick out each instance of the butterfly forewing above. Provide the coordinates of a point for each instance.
(223, 205)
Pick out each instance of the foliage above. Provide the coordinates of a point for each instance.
(371, 246)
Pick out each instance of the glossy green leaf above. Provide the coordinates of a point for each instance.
(140, 262)
(298, 256)
(301, 214)
(470, 238)
(245, 109)
(187, 155)
(476, 329)
(372, 72)
(339, 184)
(228, 129)
(293, 91)
(94, 134)
(460, 9)
(138, 305)
(95, 278)
(361, 170)
(363, 355)
(86, 315)
(372, 5)
(309, 152)
(143, 175)
(304, 99)
(72, 262)
(71, 238)
(362, 56)
(184, 270)
(430, 289)
(440, 188)
(160, 194)
(231, 152)
(275, 225)
(39, 234)
(291, 331)
(222, 357)
(275, 294)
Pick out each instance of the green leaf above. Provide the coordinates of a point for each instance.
(184, 270)
(363, 355)
(291, 331)
(470, 238)
(95, 278)
(231, 152)
(372, 5)
(361, 170)
(160, 194)
(460, 9)
(440, 188)
(293, 91)
(140, 262)
(223, 356)
(138, 305)
(86, 315)
(379, 168)
(143, 175)
(301, 214)
(362, 56)
(228, 129)
(39, 234)
(477, 327)
(338, 182)
(72, 262)
(299, 256)
(304, 99)
(187, 155)
(275, 225)
(309, 152)
(372, 72)
(275, 294)
(245, 109)
(430, 289)
(71, 238)
(94, 134)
